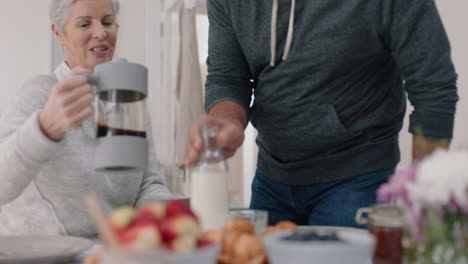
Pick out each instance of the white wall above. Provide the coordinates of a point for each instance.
(454, 16)
(24, 44)
(456, 22)
(131, 41)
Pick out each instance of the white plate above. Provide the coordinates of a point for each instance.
(41, 249)
(206, 255)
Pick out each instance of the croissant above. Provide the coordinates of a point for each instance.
(248, 249)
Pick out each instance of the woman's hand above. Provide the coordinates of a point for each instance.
(69, 104)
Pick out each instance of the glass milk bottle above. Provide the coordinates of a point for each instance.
(209, 183)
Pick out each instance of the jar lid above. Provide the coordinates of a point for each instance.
(386, 215)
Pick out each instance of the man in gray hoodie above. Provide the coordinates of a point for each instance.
(329, 80)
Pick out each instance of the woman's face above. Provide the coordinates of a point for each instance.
(90, 34)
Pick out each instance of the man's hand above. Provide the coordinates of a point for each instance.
(68, 106)
(230, 137)
(423, 147)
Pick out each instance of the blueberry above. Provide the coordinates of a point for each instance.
(313, 236)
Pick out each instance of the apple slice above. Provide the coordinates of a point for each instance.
(183, 244)
(140, 237)
(156, 211)
(121, 217)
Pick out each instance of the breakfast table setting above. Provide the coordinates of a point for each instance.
(421, 218)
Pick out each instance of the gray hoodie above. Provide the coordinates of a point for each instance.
(43, 182)
(330, 80)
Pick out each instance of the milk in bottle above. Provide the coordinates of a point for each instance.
(209, 183)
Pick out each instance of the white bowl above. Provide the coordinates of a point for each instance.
(356, 247)
(206, 255)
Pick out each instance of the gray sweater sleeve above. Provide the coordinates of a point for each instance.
(23, 146)
(152, 187)
(228, 71)
(416, 36)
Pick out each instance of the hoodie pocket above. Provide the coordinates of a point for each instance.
(318, 131)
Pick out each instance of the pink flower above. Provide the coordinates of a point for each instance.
(457, 206)
(395, 188)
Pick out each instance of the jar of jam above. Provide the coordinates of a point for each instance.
(386, 223)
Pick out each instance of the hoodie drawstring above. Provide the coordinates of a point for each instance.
(287, 48)
(274, 19)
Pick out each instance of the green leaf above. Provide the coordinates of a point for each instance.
(418, 130)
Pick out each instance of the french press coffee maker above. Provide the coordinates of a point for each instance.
(121, 116)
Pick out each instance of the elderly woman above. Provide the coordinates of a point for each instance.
(47, 136)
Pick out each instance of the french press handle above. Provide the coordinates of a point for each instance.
(92, 79)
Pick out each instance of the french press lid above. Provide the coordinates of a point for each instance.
(128, 79)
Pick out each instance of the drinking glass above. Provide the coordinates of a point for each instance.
(259, 218)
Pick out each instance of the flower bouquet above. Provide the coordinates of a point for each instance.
(434, 199)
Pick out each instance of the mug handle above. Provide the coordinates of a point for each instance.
(361, 212)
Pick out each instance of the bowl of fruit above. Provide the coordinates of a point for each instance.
(320, 245)
(166, 232)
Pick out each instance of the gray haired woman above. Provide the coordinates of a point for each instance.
(47, 136)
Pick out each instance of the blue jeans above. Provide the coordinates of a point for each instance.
(333, 204)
